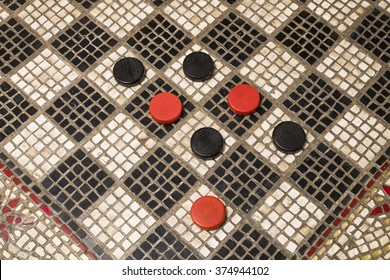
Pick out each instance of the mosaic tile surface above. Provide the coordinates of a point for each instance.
(85, 172)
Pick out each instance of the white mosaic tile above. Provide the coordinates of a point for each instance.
(49, 17)
(359, 136)
(203, 241)
(273, 69)
(197, 90)
(3, 14)
(121, 16)
(385, 4)
(39, 146)
(261, 141)
(118, 222)
(195, 15)
(119, 145)
(288, 215)
(348, 67)
(180, 142)
(103, 76)
(339, 13)
(268, 14)
(43, 77)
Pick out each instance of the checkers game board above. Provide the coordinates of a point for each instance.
(86, 173)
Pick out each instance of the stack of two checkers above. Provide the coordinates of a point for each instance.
(207, 212)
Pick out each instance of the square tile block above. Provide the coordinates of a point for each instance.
(273, 69)
(118, 221)
(77, 193)
(84, 43)
(308, 37)
(243, 178)
(234, 39)
(119, 145)
(159, 41)
(348, 67)
(80, 110)
(39, 146)
(160, 181)
(288, 216)
(359, 136)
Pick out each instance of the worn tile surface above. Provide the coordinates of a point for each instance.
(85, 172)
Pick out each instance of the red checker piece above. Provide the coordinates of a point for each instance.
(208, 212)
(165, 108)
(243, 100)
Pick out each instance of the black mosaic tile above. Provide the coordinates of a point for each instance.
(377, 97)
(159, 41)
(16, 170)
(13, 4)
(86, 3)
(248, 244)
(83, 43)
(374, 34)
(139, 107)
(219, 107)
(162, 245)
(15, 110)
(77, 183)
(243, 178)
(234, 39)
(327, 177)
(80, 110)
(307, 36)
(316, 103)
(160, 2)
(17, 44)
(160, 182)
(380, 161)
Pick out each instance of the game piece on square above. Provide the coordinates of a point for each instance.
(165, 108)
(243, 99)
(128, 71)
(207, 143)
(198, 66)
(289, 137)
(208, 212)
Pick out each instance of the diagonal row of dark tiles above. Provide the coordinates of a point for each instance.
(85, 42)
(82, 107)
(160, 40)
(91, 27)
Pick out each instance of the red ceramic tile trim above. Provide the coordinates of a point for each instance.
(46, 209)
(377, 211)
